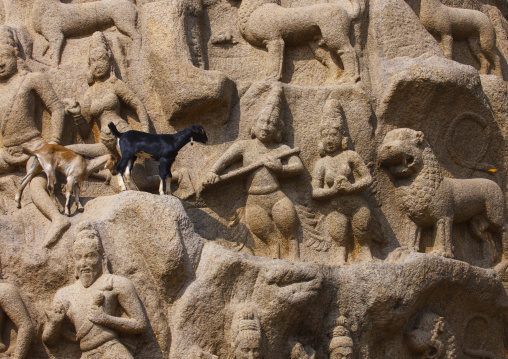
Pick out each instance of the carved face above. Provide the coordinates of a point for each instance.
(100, 65)
(88, 262)
(266, 128)
(8, 63)
(342, 353)
(402, 152)
(248, 348)
(332, 139)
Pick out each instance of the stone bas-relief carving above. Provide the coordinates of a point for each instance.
(334, 190)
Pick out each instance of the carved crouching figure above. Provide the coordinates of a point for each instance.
(75, 167)
(267, 24)
(431, 200)
(449, 23)
(56, 21)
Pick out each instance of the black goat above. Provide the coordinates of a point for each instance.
(162, 148)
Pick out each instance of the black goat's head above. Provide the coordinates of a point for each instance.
(198, 134)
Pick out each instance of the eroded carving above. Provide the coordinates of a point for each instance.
(269, 213)
(247, 336)
(340, 177)
(448, 23)
(267, 24)
(93, 303)
(431, 200)
(341, 344)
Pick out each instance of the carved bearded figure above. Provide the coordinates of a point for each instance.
(92, 304)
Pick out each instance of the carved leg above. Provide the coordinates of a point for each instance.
(447, 45)
(413, 235)
(443, 245)
(477, 52)
(361, 224)
(275, 50)
(350, 61)
(56, 40)
(324, 56)
(337, 226)
(262, 226)
(286, 220)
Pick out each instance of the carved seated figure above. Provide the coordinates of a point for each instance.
(93, 302)
(270, 214)
(340, 177)
(246, 335)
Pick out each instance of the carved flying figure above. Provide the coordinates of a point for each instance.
(56, 21)
(450, 23)
(431, 200)
(267, 24)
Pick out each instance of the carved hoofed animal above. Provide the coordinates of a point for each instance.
(56, 21)
(431, 200)
(162, 148)
(267, 24)
(76, 168)
(451, 23)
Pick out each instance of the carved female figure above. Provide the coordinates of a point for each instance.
(339, 177)
(246, 335)
(103, 101)
(270, 214)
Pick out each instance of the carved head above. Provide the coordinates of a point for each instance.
(269, 126)
(9, 53)
(89, 260)
(401, 152)
(246, 331)
(341, 345)
(333, 129)
(100, 65)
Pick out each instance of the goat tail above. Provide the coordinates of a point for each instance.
(113, 129)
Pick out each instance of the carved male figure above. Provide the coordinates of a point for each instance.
(18, 91)
(92, 304)
(341, 344)
(246, 331)
(340, 177)
(270, 214)
(12, 306)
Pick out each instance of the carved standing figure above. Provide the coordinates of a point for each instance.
(246, 331)
(431, 200)
(270, 214)
(56, 21)
(450, 23)
(12, 306)
(340, 177)
(19, 89)
(93, 304)
(266, 23)
(102, 102)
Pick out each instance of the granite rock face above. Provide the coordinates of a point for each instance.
(335, 186)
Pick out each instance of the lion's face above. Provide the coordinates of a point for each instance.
(401, 152)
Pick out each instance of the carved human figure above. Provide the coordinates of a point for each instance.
(103, 101)
(269, 213)
(341, 344)
(93, 303)
(340, 177)
(19, 89)
(12, 306)
(246, 331)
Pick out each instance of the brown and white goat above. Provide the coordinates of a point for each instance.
(76, 168)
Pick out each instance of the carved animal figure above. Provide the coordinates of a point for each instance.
(76, 168)
(267, 24)
(431, 200)
(450, 23)
(56, 21)
(162, 148)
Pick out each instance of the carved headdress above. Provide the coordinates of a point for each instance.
(245, 326)
(99, 45)
(86, 232)
(341, 337)
(272, 108)
(333, 117)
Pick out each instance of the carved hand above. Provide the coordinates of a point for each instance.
(273, 164)
(56, 314)
(72, 107)
(340, 184)
(211, 178)
(97, 315)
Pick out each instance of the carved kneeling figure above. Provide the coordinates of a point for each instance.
(431, 200)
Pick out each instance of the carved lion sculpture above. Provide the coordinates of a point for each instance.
(431, 200)
(267, 24)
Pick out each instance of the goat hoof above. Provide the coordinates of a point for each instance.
(81, 210)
